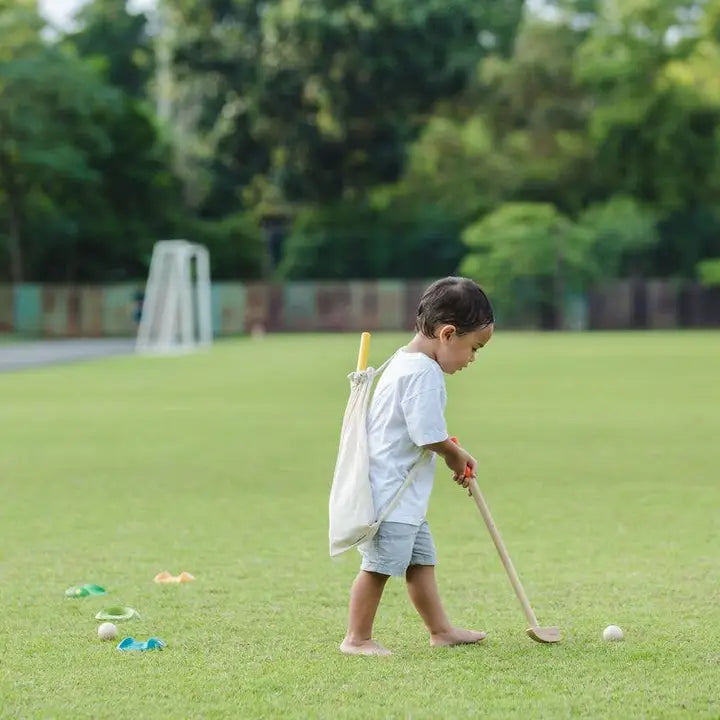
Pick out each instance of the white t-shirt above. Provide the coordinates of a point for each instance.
(407, 411)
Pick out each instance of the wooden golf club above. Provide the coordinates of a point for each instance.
(539, 634)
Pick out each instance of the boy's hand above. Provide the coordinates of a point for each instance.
(457, 459)
(460, 467)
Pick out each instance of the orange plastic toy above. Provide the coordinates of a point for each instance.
(166, 577)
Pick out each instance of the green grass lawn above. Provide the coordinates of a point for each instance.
(599, 457)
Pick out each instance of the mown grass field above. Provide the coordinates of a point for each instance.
(600, 459)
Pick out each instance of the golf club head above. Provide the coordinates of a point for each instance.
(544, 634)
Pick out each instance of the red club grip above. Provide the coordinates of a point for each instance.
(468, 471)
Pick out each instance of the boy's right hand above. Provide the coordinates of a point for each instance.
(459, 464)
(458, 460)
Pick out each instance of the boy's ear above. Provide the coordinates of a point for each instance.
(446, 332)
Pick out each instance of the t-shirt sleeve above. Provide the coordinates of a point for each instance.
(424, 410)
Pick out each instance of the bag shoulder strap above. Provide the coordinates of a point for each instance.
(370, 374)
(376, 372)
(386, 363)
(414, 470)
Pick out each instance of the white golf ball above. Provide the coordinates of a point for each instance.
(107, 631)
(612, 633)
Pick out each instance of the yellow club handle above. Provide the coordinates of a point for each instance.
(364, 351)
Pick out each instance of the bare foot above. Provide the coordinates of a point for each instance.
(457, 636)
(363, 647)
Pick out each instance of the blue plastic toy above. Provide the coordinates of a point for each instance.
(130, 643)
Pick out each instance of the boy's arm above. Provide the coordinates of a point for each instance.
(455, 457)
(425, 419)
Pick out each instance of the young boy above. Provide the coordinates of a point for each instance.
(406, 417)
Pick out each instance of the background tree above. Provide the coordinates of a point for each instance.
(530, 255)
(654, 133)
(85, 187)
(322, 97)
(120, 43)
(374, 138)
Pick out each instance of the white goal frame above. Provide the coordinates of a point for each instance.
(176, 310)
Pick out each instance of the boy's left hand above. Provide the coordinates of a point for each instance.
(470, 470)
(469, 474)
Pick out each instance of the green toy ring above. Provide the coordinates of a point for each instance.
(117, 614)
(84, 591)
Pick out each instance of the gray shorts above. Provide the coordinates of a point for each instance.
(396, 546)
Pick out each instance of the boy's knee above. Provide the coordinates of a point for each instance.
(375, 576)
(417, 568)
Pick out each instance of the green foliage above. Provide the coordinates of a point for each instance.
(531, 237)
(208, 72)
(685, 238)
(330, 92)
(359, 240)
(613, 126)
(517, 135)
(119, 42)
(538, 115)
(454, 165)
(529, 253)
(619, 230)
(523, 252)
(654, 121)
(38, 154)
(709, 271)
(395, 124)
(235, 244)
(360, 76)
(85, 186)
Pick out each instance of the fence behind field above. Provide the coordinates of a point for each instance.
(113, 310)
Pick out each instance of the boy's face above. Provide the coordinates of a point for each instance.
(456, 352)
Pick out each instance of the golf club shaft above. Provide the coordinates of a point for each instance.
(500, 546)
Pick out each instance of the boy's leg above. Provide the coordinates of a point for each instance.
(364, 600)
(388, 553)
(423, 591)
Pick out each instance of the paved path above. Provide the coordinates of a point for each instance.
(22, 355)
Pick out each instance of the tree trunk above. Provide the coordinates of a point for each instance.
(15, 219)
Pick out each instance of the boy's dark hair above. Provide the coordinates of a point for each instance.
(454, 301)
